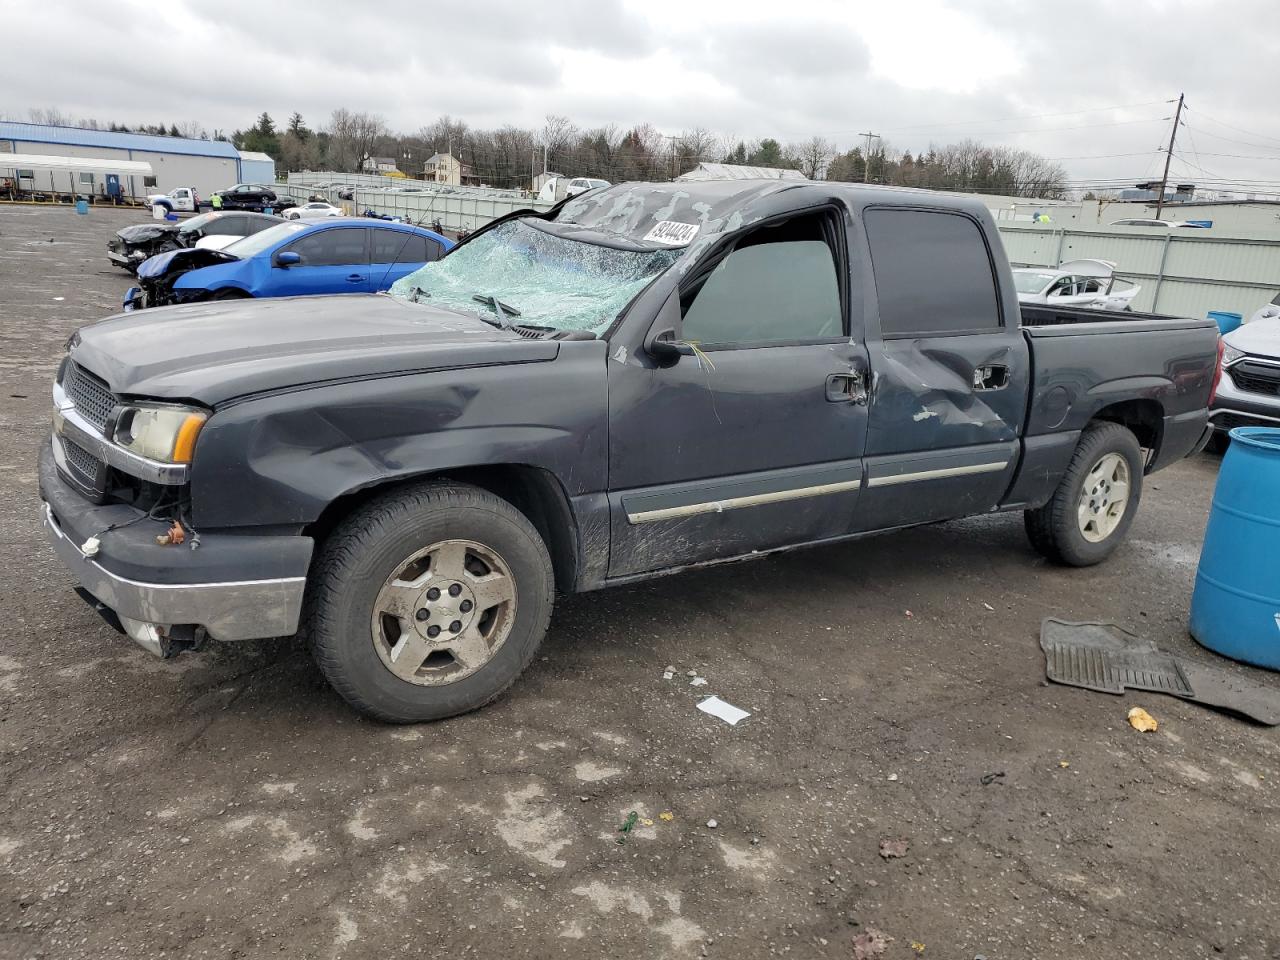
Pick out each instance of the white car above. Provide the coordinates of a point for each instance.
(582, 184)
(314, 209)
(1269, 312)
(1076, 283)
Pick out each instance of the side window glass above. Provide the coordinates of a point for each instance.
(332, 248)
(933, 272)
(396, 246)
(778, 285)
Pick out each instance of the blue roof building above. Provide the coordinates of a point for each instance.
(206, 165)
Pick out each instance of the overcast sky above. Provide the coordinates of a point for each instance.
(915, 72)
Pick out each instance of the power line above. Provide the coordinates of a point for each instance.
(1028, 116)
(1243, 143)
(1110, 156)
(1252, 133)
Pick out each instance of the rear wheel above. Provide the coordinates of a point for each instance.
(1096, 500)
(231, 294)
(429, 602)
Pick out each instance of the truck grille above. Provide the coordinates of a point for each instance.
(82, 461)
(90, 395)
(1256, 378)
(1227, 420)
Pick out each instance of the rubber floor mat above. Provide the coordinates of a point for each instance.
(1107, 658)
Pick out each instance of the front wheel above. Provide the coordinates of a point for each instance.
(429, 601)
(1096, 500)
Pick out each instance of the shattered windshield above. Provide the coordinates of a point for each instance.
(517, 273)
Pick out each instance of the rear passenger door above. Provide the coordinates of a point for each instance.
(949, 370)
(397, 253)
(334, 260)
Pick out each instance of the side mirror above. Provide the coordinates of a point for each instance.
(287, 258)
(663, 341)
(666, 346)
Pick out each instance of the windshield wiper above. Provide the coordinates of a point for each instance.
(503, 310)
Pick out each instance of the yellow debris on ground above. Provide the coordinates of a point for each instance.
(1139, 719)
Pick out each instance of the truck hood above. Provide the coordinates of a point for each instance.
(1260, 338)
(216, 352)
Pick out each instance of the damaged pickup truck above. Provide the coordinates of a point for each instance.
(647, 378)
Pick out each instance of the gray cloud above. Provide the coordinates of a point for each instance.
(788, 75)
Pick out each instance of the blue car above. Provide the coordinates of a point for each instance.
(296, 258)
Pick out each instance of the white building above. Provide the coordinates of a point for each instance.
(206, 165)
(445, 168)
(379, 165)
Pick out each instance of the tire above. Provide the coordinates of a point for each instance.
(1218, 443)
(231, 293)
(372, 551)
(1058, 529)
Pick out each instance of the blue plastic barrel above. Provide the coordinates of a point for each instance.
(82, 206)
(1235, 609)
(1226, 320)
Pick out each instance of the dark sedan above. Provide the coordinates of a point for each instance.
(254, 196)
(131, 245)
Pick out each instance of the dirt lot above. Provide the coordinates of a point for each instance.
(229, 805)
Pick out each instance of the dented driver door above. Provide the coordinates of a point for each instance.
(950, 371)
(754, 441)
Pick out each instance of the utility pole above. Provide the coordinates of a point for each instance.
(672, 167)
(866, 159)
(1168, 156)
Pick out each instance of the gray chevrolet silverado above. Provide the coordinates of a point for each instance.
(647, 378)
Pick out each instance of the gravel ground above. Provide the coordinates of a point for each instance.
(228, 804)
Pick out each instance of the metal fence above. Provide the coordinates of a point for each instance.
(1182, 272)
(418, 201)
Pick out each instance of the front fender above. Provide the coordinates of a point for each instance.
(281, 459)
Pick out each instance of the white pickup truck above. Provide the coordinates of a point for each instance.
(178, 200)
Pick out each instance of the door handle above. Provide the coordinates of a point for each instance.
(991, 376)
(354, 278)
(846, 388)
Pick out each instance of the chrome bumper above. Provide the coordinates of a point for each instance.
(237, 610)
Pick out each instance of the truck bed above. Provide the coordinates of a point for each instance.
(1083, 361)
(1040, 315)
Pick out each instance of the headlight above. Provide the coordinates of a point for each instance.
(165, 432)
(1230, 354)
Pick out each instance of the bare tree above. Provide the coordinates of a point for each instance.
(49, 115)
(813, 156)
(352, 136)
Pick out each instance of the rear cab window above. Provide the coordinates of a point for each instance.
(933, 273)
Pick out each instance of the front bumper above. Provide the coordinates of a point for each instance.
(235, 586)
(1233, 407)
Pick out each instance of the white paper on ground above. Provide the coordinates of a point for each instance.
(725, 711)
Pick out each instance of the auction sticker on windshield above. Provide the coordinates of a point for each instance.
(672, 233)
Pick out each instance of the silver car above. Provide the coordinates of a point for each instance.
(1249, 392)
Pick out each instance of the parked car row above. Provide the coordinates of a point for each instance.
(289, 259)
